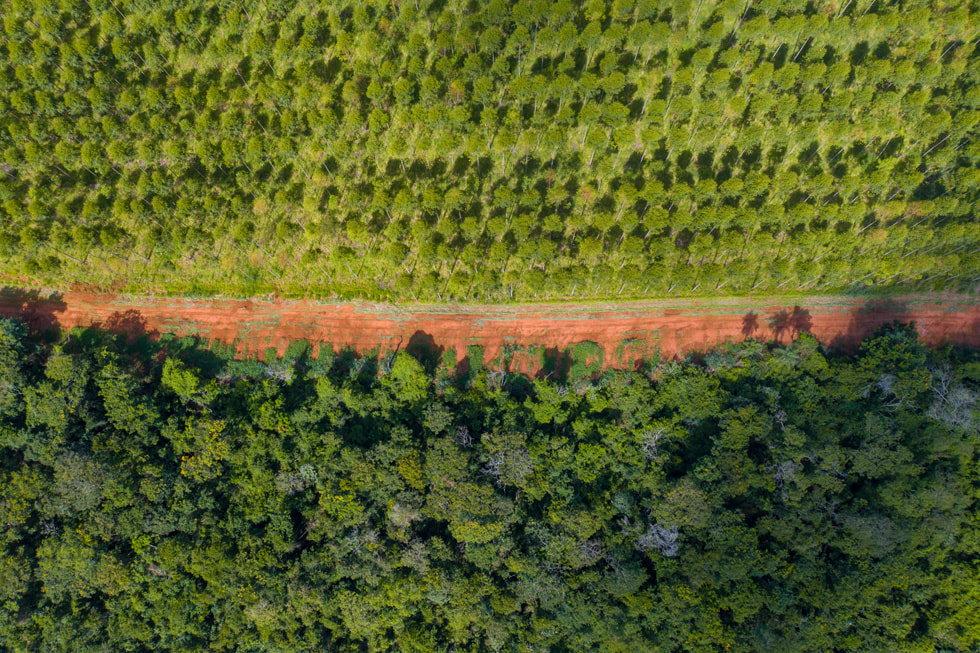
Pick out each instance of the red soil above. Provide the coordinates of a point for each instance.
(674, 326)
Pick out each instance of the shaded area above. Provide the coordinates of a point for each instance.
(40, 311)
(130, 323)
(789, 323)
(538, 340)
(463, 367)
(423, 348)
(872, 315)
(556, 364)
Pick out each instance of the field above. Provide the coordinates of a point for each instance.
(491, 152)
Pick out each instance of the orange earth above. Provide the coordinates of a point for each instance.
(625, 331)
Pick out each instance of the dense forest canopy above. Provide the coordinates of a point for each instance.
(158, 497)
(490, 150)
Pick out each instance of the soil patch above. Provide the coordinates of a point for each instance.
(625, 331)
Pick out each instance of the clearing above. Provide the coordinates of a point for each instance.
(625, 331)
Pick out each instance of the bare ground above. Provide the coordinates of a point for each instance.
(625, 331)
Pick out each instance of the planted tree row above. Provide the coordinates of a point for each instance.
(495, 150)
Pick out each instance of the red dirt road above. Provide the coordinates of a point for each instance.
(675, 326)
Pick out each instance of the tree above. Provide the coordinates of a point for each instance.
(12, 379)
(340, 98)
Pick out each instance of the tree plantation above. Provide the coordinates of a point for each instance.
(159, 497)
(494, 151)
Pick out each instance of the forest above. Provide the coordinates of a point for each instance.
(163, 496)
(438, 150)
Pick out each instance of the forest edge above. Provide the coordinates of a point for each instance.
(529, 337)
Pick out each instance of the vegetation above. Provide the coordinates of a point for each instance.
(158, 497)
(490, 150)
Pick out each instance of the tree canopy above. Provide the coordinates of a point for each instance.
(161, 497)
(490, 150)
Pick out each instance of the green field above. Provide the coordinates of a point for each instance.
(490, 151)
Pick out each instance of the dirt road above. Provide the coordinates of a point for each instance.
(674, 326)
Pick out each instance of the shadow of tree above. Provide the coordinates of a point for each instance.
(39, 311)
(463, 367)
(800, 321)
(555, 365)
(790, 323)
(130, 323)
(130, 327)
(867, 318)
(423, 348)
(750, 324)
